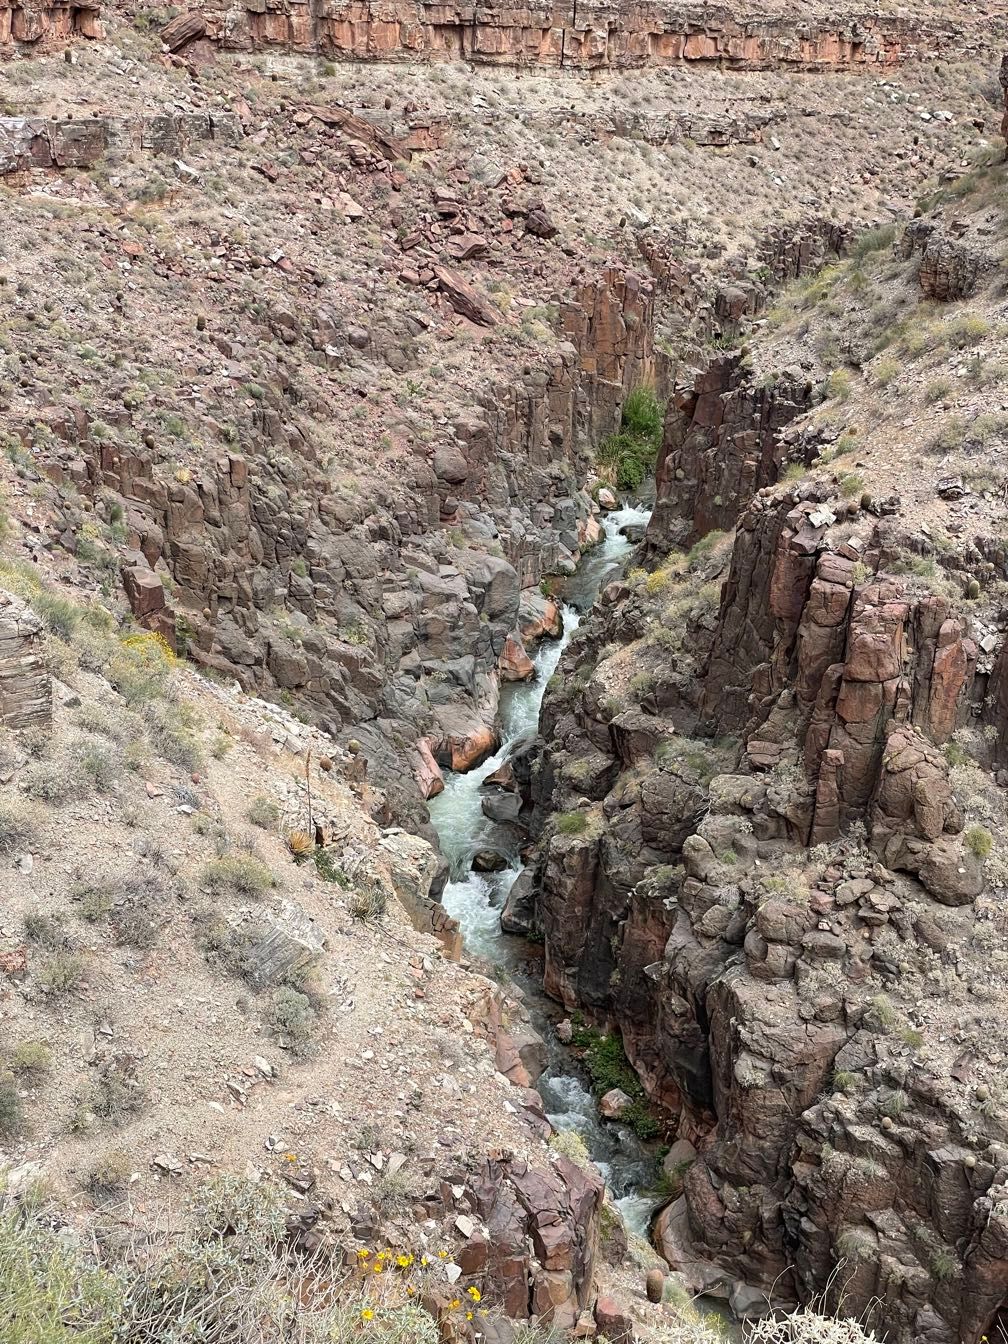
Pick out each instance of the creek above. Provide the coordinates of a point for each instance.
(476, 899)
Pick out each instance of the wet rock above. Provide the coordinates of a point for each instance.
(488, 861)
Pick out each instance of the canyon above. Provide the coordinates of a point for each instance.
(323, 329)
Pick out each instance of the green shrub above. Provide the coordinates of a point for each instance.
(979, 841)
(31, 1060)
(851, 484)
(571, 823)
(569, 1143)
(238, 875)
(627, 456)
(608, 1067)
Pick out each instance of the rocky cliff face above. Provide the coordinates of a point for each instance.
(401, 613)
(757, 862)
(722, 443)
(581, 38)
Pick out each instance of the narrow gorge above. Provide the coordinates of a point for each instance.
(503, 673)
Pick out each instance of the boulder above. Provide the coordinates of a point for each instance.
(614, 1104)
(488, 861)
(514, 663)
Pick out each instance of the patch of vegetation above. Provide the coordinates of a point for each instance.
(31, 1060)
(11, 1112)
(569, 1143)
(629, 455)
(264, 813)
(571, 823)
(293, 1019)
(60, 973)
(979, 841)
(608, 1067)
(238, 875)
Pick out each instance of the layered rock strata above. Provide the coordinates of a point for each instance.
(593, 37)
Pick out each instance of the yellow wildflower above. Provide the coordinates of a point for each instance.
(454, 1304)
(367, 1314)
(363, 1253)
(474, 1293)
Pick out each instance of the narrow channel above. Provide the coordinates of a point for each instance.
(475, 899)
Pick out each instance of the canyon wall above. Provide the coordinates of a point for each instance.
(772, 866)
(377, 615)
(581, 37)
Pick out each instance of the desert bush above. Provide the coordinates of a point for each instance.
(31, 1060)
(173, 737)
(979, 841)
(292, 1018)
(141, 668)
(109, 1175)
(54, 782)
(11, 1110)
(264, 813)
(368, 901)
(238, 875)
(43, 930)
(839, 384)
(60, 973)
(967, 329)
(114, 1096)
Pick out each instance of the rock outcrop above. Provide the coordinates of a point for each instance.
(392, 628)
(25, 683)
(949, 269)
(771, 865)
(35, 142)
(721, 444)
(29, 25)
(591, 37)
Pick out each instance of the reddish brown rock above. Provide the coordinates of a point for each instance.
(514, 663)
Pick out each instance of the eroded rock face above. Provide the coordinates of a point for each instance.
(388, 631)
(949, 269)
(30, 25)
(543, 1236)
(589, 38)
(25, 683)
(750, 987)
(721, 444)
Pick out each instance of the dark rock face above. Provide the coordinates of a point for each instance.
(753, 978)
(722, 444)
(543, 1236)
(391, 627)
